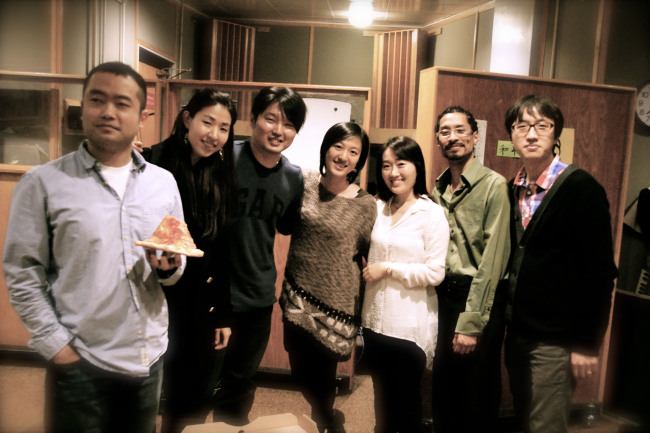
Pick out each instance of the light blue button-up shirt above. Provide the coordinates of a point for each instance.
(73, 273)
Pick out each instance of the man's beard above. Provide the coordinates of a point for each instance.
(456, 157)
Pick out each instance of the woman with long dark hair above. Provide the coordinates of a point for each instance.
(199, 153)
(408, 248)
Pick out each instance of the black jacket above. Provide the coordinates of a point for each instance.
(562, 266)
(202, 295)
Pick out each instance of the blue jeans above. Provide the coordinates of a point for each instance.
(85, 398)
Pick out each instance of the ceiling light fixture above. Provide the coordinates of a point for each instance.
(361, 13)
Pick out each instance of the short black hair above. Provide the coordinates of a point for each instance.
(338, 133)
(406, 149)
(531, 103)
(119, 68)
(458, 109)
(289, 101)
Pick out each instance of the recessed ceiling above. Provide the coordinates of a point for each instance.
(388, 13)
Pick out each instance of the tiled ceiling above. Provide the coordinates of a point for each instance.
(388, 13)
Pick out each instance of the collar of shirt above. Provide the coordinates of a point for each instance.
(470, 176)
(546, 179)
(422, 203)
(89, 162)
(531, 195)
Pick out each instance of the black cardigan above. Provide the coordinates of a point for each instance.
(202, 295)
(562, 266)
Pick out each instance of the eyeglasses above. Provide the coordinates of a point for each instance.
(461, 132)
(542, 128)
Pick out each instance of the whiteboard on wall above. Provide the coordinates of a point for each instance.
(321, 115)
(479, 149)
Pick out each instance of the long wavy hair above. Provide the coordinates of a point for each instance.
(208, 189)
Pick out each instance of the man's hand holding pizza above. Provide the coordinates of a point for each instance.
(167, 261)
(172, 238)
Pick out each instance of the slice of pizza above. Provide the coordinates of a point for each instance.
(172, 235)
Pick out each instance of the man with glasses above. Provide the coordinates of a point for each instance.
(467, 364)
(562, 270)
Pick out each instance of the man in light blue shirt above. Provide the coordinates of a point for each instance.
(91, 299)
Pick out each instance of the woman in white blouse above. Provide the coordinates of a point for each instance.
(406, 261)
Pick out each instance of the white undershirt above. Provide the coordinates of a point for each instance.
(117, 177)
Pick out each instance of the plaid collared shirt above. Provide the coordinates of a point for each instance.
(531, 195)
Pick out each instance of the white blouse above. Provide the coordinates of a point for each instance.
(405, 305)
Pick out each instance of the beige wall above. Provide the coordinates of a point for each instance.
(576, 37)
(31, 54)
(342, 57)
(281, 54)
(455, 44)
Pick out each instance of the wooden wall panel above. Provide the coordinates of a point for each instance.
(230, 50)
(12, 331)
(276, 357)
(233, 60)
(399, 57)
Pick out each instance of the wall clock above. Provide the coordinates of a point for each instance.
(642, 106)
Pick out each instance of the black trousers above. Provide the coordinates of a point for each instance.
(190, 362)
(396, 368)
(236, 388)
(314, 372)
(467, 388)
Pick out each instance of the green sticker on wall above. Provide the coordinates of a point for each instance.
(505, 148)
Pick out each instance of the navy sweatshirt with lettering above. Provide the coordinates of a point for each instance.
(269, 200)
